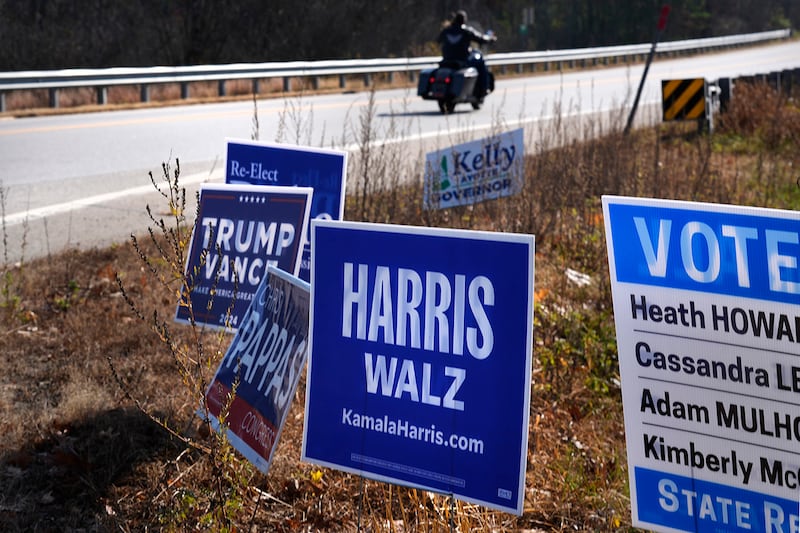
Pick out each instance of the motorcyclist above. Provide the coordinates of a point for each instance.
(455, 40)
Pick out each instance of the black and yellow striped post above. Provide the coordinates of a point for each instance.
(684, 99)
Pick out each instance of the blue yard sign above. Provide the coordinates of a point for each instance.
(323, 170)
(420, 364)
(240, 230)
(256, 380)
(707, 311)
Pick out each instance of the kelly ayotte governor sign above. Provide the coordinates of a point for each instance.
(240, 230)
(420, 364)
(707, 310)
(263, 365)
(259, 163)
(474, 172)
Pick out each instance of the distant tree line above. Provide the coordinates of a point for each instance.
(46, 34)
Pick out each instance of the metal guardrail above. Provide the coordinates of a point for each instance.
(101, 79)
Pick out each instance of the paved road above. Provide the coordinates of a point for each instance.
(82, 179)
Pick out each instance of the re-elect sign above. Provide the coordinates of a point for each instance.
(476, 171)
(707, 310)
(420, 363)
(323, 170)
(256, 380)
(240, 230)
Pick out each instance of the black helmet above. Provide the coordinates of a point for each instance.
(460, 18)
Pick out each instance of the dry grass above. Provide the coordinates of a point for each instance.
(77, 455)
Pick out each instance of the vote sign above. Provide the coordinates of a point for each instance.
(707, 311)
(256, 380)
(420, 363)
(324, 170)
(240, 230)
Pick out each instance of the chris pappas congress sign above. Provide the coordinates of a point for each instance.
(707, 311)
(324, 170)
(256, 380)
(239, 231)
(420, 363)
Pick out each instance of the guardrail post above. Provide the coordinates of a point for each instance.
(255, 86)
(102, 95)
(794, 76)
(144, 93)
(786, 81)
(412, 76)
(221, 87)
(53, 97)
(184, 90)
(2, 102)
(315, 82)
(287, 84)
(342, 81)
(725, 93)
(775, 80)
(367, 79)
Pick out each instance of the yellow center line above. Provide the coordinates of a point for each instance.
(160, 119)
(117, 123)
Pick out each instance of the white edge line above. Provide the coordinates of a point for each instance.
(56, 209)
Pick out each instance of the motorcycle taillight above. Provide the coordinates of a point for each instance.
(432, 79)
(447, 80)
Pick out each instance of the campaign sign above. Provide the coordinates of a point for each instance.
(256, 380)
(420, 363)
(275, 164)
(476, 171)
(240, 230)
(707, 311)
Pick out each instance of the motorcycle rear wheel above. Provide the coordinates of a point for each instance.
(446, 106)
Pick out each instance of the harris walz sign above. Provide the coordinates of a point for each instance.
(420, 364)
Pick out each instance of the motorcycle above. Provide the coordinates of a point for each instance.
(455, 82)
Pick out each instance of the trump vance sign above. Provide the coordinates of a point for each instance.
(240, 230)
